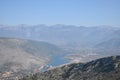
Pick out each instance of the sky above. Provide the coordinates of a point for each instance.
(69, 12)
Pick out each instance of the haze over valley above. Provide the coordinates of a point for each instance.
(38, 48)
(59, 40)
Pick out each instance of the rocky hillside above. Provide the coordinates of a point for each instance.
(22, 56)
(107, 68)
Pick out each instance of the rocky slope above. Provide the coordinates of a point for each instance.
(107, 68)
(23, 56)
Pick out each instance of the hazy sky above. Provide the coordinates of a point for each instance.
(49, 12)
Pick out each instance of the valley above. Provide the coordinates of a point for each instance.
(47, 47)
(59, 39)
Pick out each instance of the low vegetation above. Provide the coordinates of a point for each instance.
(107, 68)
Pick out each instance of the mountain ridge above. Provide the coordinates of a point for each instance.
(20, 56)
(107, 68)
(58, 34)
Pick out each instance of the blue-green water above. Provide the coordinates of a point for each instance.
(58, 59)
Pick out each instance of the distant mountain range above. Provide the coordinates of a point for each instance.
(62, 34)
(66, 36)
(107, 68)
